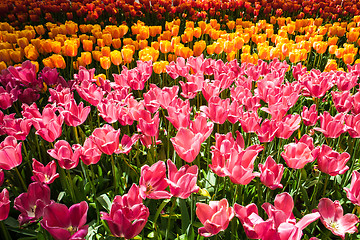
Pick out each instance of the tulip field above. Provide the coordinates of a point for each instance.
(154, 119)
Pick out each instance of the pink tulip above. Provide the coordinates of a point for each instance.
(240, 166)
(210, 88)
(201, 125)
(128, 215)
(90, 153)
(106, 139)
(43, 174)
(109, 110)
(10, 153)
(165, 95)
(309, 141)
(153, 181)
(267, 130)
(147, 125)
(189, 89)
(183, 182)
(66, 223)
(342, 101)
(32, 203)
(90, 92)
(75, 115)
(310, 116)
(187, 144)
(287, 126)
(4, 204)
(17, 127)
(250, 122)
(178, 68)
(271, 173)
(332, 127)
(352, 123)
(150, 100)
(215, 217)
(127, 143)
(353, 193)
(332, 162)
(67, 158)
(345, 81)
(60, 96)
(217, 109)
(5, 99)
(249, 218)
(179, 117)
(136, 77)
(297, 155)
(317, 83)
(236, 112)
(333, 218)
(356, 103)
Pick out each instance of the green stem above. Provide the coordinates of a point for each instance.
(114, 172)
(169, 221)
(5, 234)
(325, 185)
(21, 179)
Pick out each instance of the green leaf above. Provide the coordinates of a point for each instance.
(185, 219)
(104, 200)
(60, 196)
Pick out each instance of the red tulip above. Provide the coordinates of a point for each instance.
(4, 204)
(128, 215)
(353, 193)
(67, 158)
(10, 153)
(127, 143)
(183, 182)
(271, 173)
(66, 223)
(106, 139)
(152, 181)
(5, 99)
(187, 144)
(43, 174)
(215, 217)
(332, 162)
(333, 219)
(32, 203)
(17, 127)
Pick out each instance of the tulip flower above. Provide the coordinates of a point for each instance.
(90, 153)
(343, 101)
(150, 99)
(331, 127)
(66, 223)
(10, 153)
(249, 218)
(127, 143)
(75, 115)
(106, 139)
(180, 116)
(147, 125)
(4, 204)
(187, 144)
(333, 218)
(153, 181)
(267, 130)
(201, 125)
(128, 215)
(332, 162)
(109, 110)
(297, 155)
(2, 177)
(271, 173)
(217, 109)
(16, 127)
(310, 116)
(43, 174)
(32, 203)
(5, 99)
(67, 158)
(182, 182)
(215, 217)
(353, 193)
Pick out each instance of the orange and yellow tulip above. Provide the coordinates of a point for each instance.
(115, 57)
(105, 62)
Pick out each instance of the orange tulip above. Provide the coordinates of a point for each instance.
(320, 47)
(332, 49)
(123, 30)
(4, 55)
(105, 62)
(246, 49)
(339, 53)
(58, 61)
(165, 46)
(48, 63)
(197, 32)
(105, 51)
(189, 24)
(144, 32)
(174, 41)
(153, 31)
(127, 55)
(199, 47)
(40, 30)
(36, 65)
(87, 45)
(350, 48)
(238, 42)
(341, 31)
(107, 38)
(331, 65)
(160, 67)
(16, 56)
(219, 47)
(348, 58)
(175, 30)
(231, 25)
(86, 58)
(275, 53)
(115, 57)
(264, 53)
(31, 52)
(2, 65)
(100, 42)
(96, 55)
(352, 36)
(71, 48)
(116, 43)
(46, 45)
(228, 46)
(56, 47)
(155, 45)
(185, 52)
(332, 40)
(22, 42)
